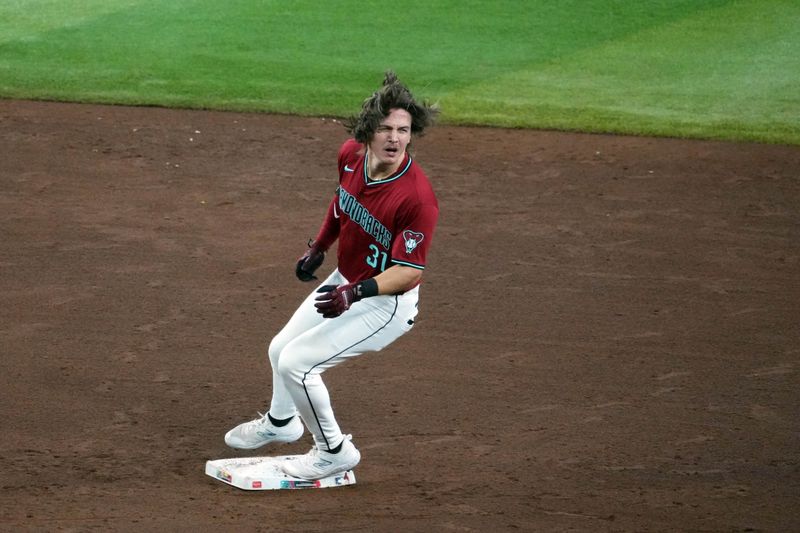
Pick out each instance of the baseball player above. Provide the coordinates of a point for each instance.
(384, 214)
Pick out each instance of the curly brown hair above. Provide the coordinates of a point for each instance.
(393, 94)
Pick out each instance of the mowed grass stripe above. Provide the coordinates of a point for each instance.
(698, 68)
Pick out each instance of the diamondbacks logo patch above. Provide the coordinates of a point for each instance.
(412, 240)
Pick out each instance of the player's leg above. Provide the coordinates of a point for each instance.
(369, 325)
(280, 424)
(304, 319)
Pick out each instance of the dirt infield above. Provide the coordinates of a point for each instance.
(608, 335)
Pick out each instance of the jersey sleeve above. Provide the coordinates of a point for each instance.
(329, 230)
(348, 152)
(413, 240)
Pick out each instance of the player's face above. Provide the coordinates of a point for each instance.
(389, 142)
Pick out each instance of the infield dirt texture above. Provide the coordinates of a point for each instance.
(608, 335)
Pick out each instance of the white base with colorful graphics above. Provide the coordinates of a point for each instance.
(264, 473)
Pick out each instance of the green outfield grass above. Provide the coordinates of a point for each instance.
(689, 68)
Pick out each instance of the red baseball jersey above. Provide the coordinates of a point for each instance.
(379, 223)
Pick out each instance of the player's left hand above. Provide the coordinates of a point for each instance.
(333, 300)
(309, 262)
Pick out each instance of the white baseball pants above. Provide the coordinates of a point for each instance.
(308, 345)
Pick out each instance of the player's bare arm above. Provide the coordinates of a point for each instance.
(397, 279)
(335, 300)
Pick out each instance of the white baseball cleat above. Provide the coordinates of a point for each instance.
(318, 464)
(261, 431)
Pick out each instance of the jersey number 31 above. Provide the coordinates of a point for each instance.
(377, 259)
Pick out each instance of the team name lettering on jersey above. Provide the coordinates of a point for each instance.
(361, 216)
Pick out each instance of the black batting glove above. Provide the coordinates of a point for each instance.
(309, 263)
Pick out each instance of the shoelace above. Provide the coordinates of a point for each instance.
(259, 421)
(313, 452)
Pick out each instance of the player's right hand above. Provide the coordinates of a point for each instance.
(333, 300)
(309, 263)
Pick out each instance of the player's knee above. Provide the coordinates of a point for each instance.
(287, 368)
(274, 350)
(297, 360)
